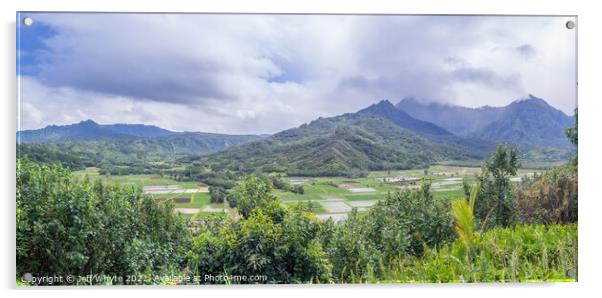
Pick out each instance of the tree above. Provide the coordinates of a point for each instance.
(406, 221)
(496, 200)
(67, 226)
(552, 197)
(571, 133)
(299, 189)
(253, 192)
(217, 194)
(280, 243)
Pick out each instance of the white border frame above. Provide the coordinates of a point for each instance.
(589, 19)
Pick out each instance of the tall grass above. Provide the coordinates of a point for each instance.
(519, 254)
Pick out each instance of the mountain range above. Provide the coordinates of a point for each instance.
(125, 143)
(527, 121)
(381, 136)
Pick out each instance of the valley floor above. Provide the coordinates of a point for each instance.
(329, 197)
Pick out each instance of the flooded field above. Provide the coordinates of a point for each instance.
(331, 197)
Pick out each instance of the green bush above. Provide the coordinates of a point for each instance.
(521, 253)
(67, 226)
(217, 194)
(270, 240)
(403, 224)
(406, 221)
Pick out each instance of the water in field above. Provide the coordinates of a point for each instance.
(336, 217)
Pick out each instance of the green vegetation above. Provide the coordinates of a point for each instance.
(436, 224)
(349, 145)
(518, 254)
(123, 156)
(408, 236)
(67, 226)
(270, 240)
(40, 153)
(551, 197)
(497, 202)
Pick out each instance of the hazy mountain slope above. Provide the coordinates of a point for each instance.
(457, 119)
(134, 150)
(122, 144)
(345, 145)
(82, 131)
(529, 121)
(386, 110)
(140, 130)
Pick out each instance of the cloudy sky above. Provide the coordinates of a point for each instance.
(265, 73)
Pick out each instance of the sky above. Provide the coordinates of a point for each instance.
(250, 74)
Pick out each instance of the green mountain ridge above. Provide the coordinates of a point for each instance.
(346, 145)
(379, 137)
(128, 151)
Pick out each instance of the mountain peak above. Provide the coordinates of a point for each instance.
(382, 105)
(385, 102)
(530, 99)
(87, 122)
(385, 109)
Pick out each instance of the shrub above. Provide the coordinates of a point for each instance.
(217, 194)
(280, 243)
(70, 227)
(520, 253)
(406, 221)
(550, 198)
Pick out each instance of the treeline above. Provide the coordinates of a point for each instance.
(124, 156)
(42, 154)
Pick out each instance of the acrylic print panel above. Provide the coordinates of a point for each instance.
(177, 149)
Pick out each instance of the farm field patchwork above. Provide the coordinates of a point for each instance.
(329, 197)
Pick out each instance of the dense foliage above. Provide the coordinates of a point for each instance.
(40, 153)
(129, 155)
(517, 254)
(550, 198)
(77, 227)
(269, 240)
(401, 225)
(67, 226)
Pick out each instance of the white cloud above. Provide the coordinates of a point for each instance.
(258, 73)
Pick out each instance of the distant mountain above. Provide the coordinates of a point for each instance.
(89, 130)
(529, 121)
(371, 139)
(457, 119)
(92, 143)
(134, 150)
(82, 131)
(140, 130)
(386, 110)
